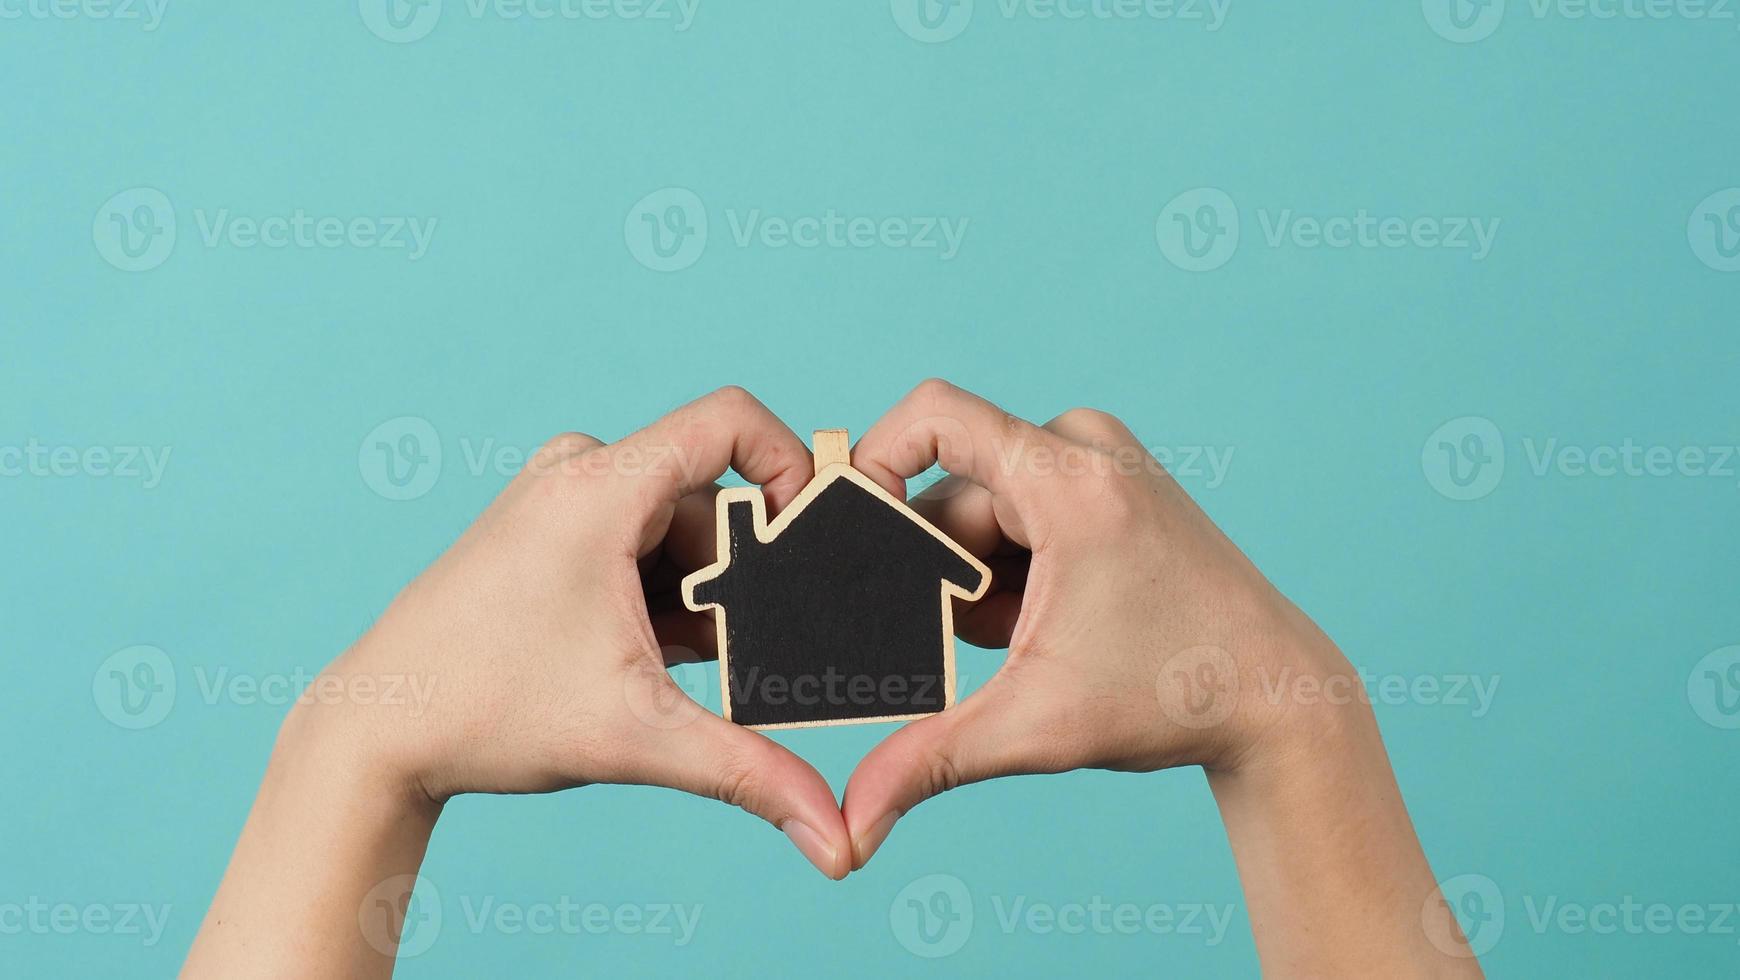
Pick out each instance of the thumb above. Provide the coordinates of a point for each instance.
(709, 756)
(981, 738)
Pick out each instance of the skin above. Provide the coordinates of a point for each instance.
(1139, 639)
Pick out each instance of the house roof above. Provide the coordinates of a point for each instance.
(962, 574)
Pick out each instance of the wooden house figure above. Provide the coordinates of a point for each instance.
(838, 612)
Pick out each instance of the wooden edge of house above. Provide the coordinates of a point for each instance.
(832, 462)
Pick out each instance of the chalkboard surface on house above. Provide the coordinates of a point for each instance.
(840, 610)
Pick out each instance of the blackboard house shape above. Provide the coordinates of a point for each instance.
(841, 610)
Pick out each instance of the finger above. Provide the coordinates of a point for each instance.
(712, 757)
(686, 637)
(990, 623)
(692, 540)
(971, 516)
(993, 733)
(967, 435)
(964, 511)
(660, 577)
(698, 442)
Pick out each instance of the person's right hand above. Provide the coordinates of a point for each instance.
(1139, 636)
(550, 644)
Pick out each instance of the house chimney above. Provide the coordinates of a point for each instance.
(830, 446)
(740, 523)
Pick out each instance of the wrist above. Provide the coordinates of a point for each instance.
(335, 748)
(1316, 820)
(1301, 701)
(331, 832)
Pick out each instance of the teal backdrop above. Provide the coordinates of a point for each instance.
(1432, 306)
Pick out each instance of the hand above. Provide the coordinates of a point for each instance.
(535, 635)
(1140, 638)
(1137, 632)
(535, 654)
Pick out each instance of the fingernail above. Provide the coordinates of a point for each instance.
(866, 844)
(813, 845)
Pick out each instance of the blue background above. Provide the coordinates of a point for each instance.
(1594, 775)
